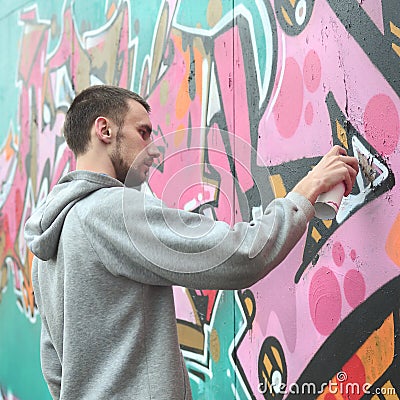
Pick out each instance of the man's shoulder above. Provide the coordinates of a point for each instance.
(108, 201)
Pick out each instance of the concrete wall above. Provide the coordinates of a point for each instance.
(273, 84)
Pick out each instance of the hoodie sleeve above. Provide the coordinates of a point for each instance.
(187, 249)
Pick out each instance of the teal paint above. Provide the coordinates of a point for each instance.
(20, 371)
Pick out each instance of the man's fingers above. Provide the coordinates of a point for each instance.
(350, 179)
(338, 150)
(338, 166)
(352, 161)
(348, 183)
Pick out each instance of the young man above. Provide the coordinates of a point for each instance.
(103, 270)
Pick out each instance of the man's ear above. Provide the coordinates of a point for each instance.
(103, 130)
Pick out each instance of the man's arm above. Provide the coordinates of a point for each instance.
(165, 246)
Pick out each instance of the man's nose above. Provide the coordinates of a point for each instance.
(153, 150)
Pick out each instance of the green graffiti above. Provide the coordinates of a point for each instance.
(20, 371)
(220, 378)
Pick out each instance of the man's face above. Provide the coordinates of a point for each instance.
(134, 149)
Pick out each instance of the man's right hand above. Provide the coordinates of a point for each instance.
(335, 167)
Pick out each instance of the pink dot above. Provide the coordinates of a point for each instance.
(338, 254)
(325, 301)
(354, 288)
(309, 114)
(353, 255)
(288, 107)
(312, 71)
(381, 124)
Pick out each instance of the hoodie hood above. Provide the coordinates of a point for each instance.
(43, 228)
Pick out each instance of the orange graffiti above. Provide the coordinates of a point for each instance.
(28, 296)
(369, 363)
(8, 148)
(393, 242)
(183, 100)
(179, 135)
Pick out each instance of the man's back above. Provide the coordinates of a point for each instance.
(104, 335)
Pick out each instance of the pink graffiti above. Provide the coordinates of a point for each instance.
(191, 124)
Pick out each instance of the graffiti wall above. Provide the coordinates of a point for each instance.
(274, 80)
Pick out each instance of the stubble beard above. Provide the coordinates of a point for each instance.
(121, 167)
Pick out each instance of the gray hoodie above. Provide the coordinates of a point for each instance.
(106, 258)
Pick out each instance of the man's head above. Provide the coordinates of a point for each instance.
(96, 101)
(108, 128)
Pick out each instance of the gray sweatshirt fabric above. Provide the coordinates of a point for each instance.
(106, 258)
